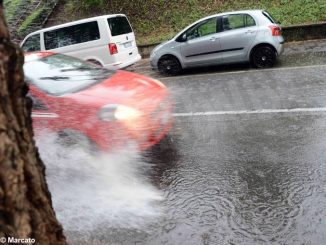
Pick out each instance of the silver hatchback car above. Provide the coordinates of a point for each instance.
(241, 36)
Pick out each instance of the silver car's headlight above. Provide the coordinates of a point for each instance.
(115, 112)
(153, 53)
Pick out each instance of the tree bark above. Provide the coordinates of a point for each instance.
(26, 209)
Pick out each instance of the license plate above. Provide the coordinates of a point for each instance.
(127, 45)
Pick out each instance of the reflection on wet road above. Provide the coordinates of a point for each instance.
(246, 180)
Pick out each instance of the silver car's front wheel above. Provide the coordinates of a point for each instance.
(169, 65)
(263, 57)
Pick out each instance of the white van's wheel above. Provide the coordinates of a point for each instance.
(95, 62)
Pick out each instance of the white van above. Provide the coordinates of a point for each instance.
(106, 40)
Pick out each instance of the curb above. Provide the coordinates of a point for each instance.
(290, 34)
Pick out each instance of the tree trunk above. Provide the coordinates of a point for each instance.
(25, 202)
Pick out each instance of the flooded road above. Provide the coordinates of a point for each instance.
(250, 166)
(244, 164)
(246, 180)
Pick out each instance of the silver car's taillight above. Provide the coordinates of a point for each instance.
(276, 30)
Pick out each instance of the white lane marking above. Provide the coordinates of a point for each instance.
(243, 71)
(44, 115)
(262, 111)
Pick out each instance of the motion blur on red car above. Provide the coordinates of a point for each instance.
(82, 101)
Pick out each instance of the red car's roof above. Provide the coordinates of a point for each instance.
(30, 56)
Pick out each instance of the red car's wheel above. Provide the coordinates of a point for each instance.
(74, 139)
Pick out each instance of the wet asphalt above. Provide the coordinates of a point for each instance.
(245, 162)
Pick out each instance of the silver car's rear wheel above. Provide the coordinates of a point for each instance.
(169, 65)
(263, 57)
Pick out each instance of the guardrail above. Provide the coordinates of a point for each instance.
(290, 33)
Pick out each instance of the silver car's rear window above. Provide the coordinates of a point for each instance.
(269, 17)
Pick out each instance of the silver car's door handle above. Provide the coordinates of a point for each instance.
(249, 32)
(213, 39)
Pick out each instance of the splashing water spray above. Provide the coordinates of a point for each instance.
(104, 190)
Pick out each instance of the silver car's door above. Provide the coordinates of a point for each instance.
(202, 45)
(239, 32)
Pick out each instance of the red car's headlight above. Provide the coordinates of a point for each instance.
(118, 112)
(126, 113)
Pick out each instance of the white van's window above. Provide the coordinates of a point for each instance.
(32, 43)
(119, 25)
(70, 35)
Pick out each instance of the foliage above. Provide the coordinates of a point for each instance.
(157, 20)
(11, 7)
(29, 21)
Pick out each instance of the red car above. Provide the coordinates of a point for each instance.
(80, 100)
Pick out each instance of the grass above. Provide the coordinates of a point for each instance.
(25, 16)
(11, 6)
(158, 20)
(154, 21)
(29, 21)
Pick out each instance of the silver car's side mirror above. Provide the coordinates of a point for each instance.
(184, 37)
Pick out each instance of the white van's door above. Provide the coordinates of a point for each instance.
(107, 40)
(122, 44)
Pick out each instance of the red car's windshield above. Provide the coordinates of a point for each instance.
(59, 74)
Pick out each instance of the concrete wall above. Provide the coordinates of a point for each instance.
(145, 50)
(304, 32)
(290, 33)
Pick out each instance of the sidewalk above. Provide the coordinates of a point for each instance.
(311, 52)
(308, 46)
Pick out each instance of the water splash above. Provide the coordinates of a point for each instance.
(90, 191)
